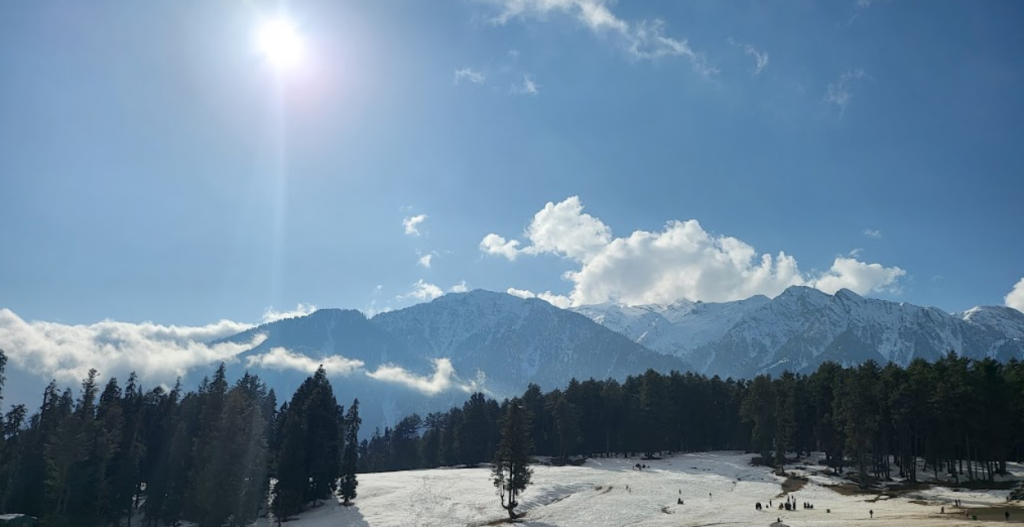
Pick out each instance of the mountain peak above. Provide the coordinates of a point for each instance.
(846, 294)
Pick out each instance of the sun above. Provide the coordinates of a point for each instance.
(280, 44)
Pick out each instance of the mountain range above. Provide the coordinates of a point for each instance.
(432, 356)
(803, 327)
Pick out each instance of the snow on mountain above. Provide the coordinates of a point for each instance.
(494, 341)
(674, 329)
(517, 341)
(803, 327)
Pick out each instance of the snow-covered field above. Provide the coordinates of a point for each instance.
(718, 488)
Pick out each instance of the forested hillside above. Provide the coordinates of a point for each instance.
(964, 418)
(114, 453)
(118, 452)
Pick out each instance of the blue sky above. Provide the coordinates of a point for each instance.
(155, 166)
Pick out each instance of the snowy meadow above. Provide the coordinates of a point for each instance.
(716, 488)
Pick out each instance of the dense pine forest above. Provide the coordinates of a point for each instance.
(116, 452)
(964, 419)
(207, 456)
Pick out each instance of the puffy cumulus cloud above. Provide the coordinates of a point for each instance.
(422, 291)
(860, 277)
(564, 229)
(1015, 298)
(425, 260)
(497, 245)
(301, 310)
(460, 287)
(281, 359)
(412, 224)
(680, 261)
(157, 353)
(443, 379)
(643, 40)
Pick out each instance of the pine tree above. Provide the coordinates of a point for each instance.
(289, 491)
(512, 462)
(160, 466)
(11, 455)
(323, 446)
(759, 409)
(350, 459)
(104, 453)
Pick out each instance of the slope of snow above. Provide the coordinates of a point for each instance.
(717, 488)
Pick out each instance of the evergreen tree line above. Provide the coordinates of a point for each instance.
(113, 454)
(963, 418)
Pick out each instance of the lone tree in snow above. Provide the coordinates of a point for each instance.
(512, 460)
(350, 458)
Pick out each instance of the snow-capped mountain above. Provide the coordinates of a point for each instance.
(677, 328)
(496, 343)
(803, 327)
(517, 341)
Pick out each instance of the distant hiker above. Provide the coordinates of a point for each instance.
(769, 503)
(872, 513)
(757, 506)
(1007, 515)
(709, 495)
(943, 510)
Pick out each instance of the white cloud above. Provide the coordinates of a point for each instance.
(425, 260)
(528, 87)
(680, 261)
(156, 352)
(497, 245)
(644, 40)
(422, 291)
(547, 296)
(159, 354)
(281, 359)
(564, 229)
(1015, 298)
(443, 379)
(521, 293)
(460, 287)
(301, 310)
(858, 276)
(412, 224)
(872, 233)
(760, 57)
(840, 92)
(469, 75)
